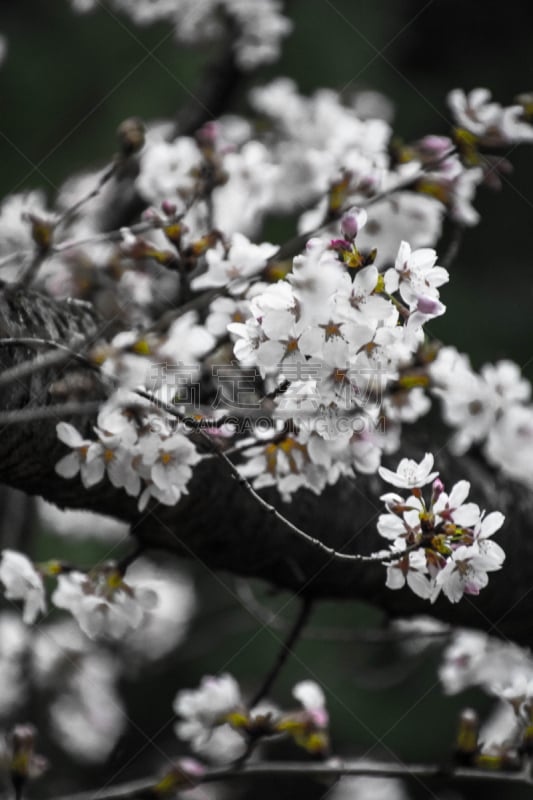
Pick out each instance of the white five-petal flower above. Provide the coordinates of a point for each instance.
(410, 474)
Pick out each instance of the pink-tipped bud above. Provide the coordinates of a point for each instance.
(340, 244)
(208, 133)
(437, 489)
(191, 767)
(428, 305)
(150, 215)
(352, 222)
(168, 208)
(320, 717)
(435, 146)
(313, 244)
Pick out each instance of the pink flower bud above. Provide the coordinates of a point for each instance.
(208, 134)
(168, 208)
(437, 489)
(340, 244)
(428, 305)
(435, 146)
(352, 222)
(150, 215)
(191, 767)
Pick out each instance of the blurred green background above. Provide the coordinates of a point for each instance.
(67, 83)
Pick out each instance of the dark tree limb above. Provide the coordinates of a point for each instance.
(220, 524)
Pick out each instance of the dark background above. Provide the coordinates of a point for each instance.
(67, 83)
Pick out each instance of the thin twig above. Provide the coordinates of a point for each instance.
(383, 557)
(297, 243)
(107, 175)
(327, 633)
(16, 254)
(284, 652)
(30, 272)
(111, 236)
(32, 414)
(454, 244)
(332, 769)
(59, 354)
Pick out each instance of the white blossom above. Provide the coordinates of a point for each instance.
(312, 698)
(466, 572)
(410, 569)
(103, 607)
(85, 458)
(476, 659)
(80, 525)
(480, 115)
(510, 443)
(410, 474)
(165, 625)
(167, 169)
(203, 716)
(416, 275)
(243, 260)
(187, 342)
(85, 710)
(22, 582)
(169, 463)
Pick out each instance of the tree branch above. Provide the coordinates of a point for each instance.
(226, 528)
(334, 769)
(284, 652)
(380, 557)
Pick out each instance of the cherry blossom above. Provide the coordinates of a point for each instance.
(85, 458)
(242, 260)
(416, 275)
(466, 572)
(103, 605)
(438, 545)
(312, 698)
(22, 582)
(411, 569)
(204, 716)
(352, 222)
(410, 474)
(309, 728)
(330, 326)
(170, 461)
(480, 115)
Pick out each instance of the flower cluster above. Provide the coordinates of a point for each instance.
(200, 22)
(438, 546)
(488, 121)
(230, 267)
(490, 409)
(102, 602)
(338, 334)
(135, 448)
(502, 670)
(327, 339)
(77, 660)
(216, 722)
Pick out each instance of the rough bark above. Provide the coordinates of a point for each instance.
(221, 525)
